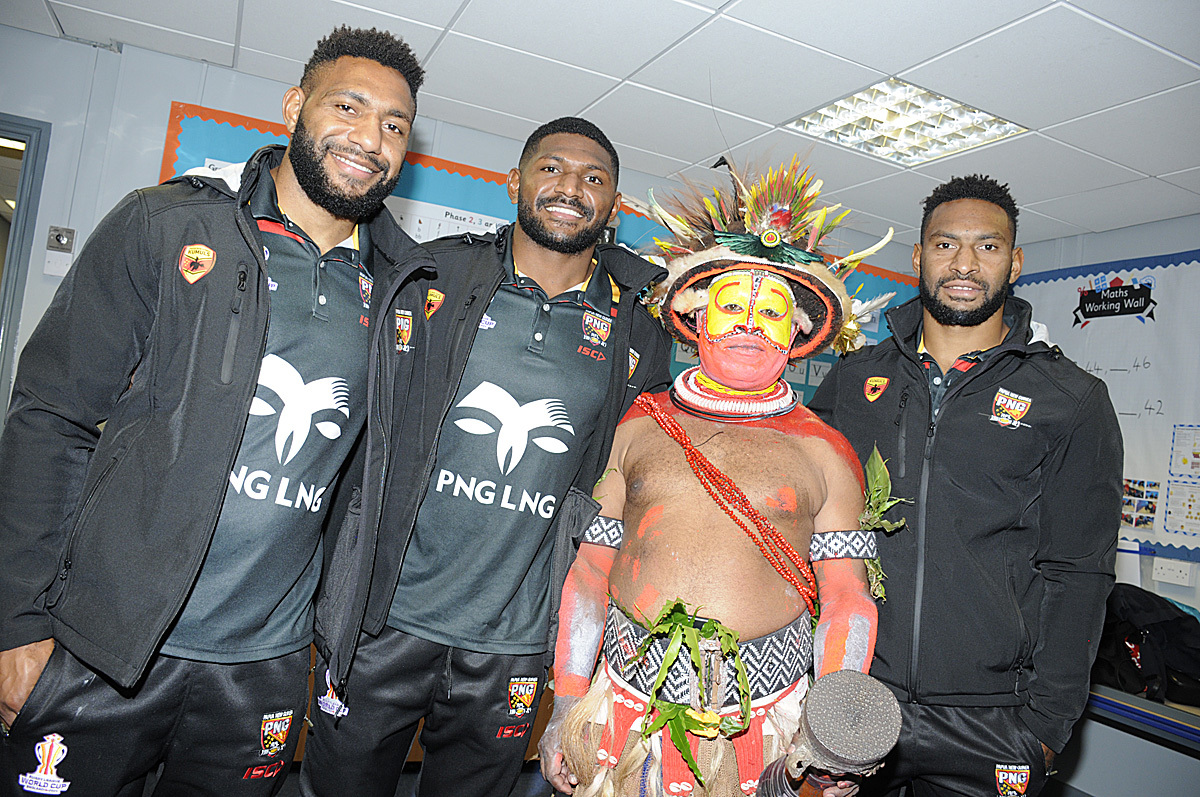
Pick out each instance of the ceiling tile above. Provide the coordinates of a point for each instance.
(274, 67)
(433, 12)
(648, 162)
(31, 15)
(212, 19)
(1189, 179)
(897, 197)
(1034, 167)
(1157, 135)
(757, 74)
(474, 117)
(102, 28)
(839, 167)
(875, 36)
(509, 81)
(1049, 68)
(611, 46)
(1122, 205)
(1033, 227)
(296, 40)
(660, 123)
(1171, 23)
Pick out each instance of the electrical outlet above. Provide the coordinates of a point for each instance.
(1172, 571)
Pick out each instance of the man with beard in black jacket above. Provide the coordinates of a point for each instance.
(458, 561)
(1011, 456)
(167, 452)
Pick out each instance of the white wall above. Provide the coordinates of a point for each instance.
(1141, 240)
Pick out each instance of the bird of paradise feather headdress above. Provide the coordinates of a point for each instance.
(772, 224)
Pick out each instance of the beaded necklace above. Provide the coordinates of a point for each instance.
(729, 497)
(691, 392)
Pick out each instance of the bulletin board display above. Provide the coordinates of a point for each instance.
(1133, 323)
(437, 197)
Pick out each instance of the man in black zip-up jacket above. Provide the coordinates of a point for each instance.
(167, 450)
(1010, 456)
(531, 345)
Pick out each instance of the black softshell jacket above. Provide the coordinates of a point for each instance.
(996, 586)
(412, 402)
(102, 534)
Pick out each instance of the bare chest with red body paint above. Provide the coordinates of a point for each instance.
(680, 543)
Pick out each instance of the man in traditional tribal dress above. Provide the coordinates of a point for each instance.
(669, 523)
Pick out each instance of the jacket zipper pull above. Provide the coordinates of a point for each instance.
(62, 574)
(929, 439)
(903, 404)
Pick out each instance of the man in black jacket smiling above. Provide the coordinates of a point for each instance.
(158, 575)
(1012, 457)
(540, 344)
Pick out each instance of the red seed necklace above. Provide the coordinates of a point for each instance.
(730, 497)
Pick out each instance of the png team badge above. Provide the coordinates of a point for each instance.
(195, 261)
(275, 729)
(1012, 779)
(596, 328)
(329, 702)
(633, 361)
(364, 289)
(403, 330)
(521, 692)
(433, 300)
(1009, 408)
(50, 753)
(874, 386)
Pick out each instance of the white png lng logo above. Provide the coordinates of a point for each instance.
(516, 422)
(300, 402)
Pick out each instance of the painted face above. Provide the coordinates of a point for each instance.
(746, 331)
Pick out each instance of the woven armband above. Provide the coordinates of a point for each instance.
(853, 544)
(605, 531)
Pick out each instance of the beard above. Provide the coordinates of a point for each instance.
(307, 161)
(947, 316)
(562, 243)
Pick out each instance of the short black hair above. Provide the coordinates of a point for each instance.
(973, 186)
(377, 45)
(576, 126)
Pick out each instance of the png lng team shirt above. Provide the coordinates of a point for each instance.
(476, 573)
(253, 598)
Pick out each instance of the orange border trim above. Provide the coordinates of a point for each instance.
(187, 110)
(887, 274)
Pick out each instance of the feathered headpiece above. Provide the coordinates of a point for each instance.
(771, 225)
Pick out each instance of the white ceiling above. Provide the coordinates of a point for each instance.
(1110, 89)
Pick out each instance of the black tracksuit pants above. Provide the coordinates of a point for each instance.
(478, 710)
(216, 729)
(954, 750)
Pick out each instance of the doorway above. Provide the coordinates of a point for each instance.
(24, 144)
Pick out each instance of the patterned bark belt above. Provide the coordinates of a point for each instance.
(772, 662)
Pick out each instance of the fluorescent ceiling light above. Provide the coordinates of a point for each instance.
(11, 203)
(9, 143)
(903, 123)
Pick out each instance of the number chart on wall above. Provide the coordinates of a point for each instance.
(1133, 323)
